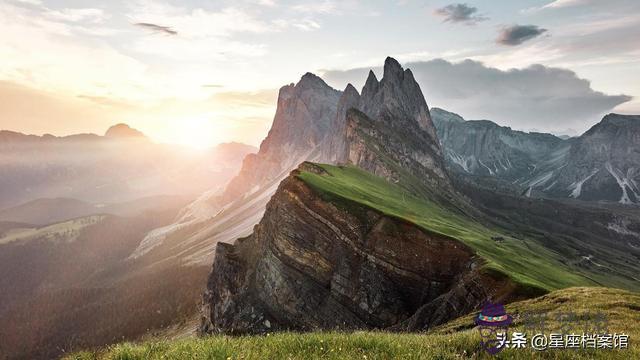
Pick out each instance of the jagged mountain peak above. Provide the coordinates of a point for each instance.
(371, 85)
(304, 115)
(350, 90)
(397, 96)
(311, 80)
(392, 69)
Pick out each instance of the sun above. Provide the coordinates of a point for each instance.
(197, 133)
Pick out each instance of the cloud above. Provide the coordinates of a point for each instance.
(460, 13)
(306, 25)
(260, 98)
(157, 28)
(78, 15)
(30, 2)
(317, 7)
(537, 96)
(517, 34)
(197, 22)
(266, 2)
(205, 35)
(614, 7)
(65, 63)
(565, 3)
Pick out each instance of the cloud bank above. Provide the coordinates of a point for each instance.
(541, 97)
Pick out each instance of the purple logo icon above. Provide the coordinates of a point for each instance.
(493, 322)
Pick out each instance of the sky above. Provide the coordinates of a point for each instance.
(201, 72)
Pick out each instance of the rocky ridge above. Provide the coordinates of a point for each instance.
(313, 264)
(600, 165)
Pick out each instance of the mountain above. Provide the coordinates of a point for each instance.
(388, 240)
(388, 130)
(123, 131)
(108, 169)
(602, 164)
(71, 285)
(302, 120)
(320, 260)
(48, 211)
(481, 147)
(314, 122)
(293, 273)
(72, 210)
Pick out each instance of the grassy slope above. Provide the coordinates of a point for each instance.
(456, 339)
(525, 261)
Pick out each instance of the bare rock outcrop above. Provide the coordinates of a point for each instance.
(315, 264)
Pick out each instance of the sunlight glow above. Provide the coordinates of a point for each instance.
(198, 133)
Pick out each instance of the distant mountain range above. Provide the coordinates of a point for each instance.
(603, 164)
(49, 211)
(72, 210)
(121, 166)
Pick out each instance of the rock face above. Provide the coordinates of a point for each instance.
(400, 153)
(481, 147)
(313, 264)
(303, 119)
(387, 130)
(397, 96)
(602, 164)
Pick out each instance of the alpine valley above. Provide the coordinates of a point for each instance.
(361, 210)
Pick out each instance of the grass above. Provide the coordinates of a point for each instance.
(526, 262)
(455, 340)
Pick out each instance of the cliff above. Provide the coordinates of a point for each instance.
(316, 261)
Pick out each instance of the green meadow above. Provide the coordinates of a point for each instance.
(457, 339)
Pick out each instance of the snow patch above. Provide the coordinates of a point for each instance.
(541, 180)
(577, 186)
(624, 183)
(488, 168)
(459, 160)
